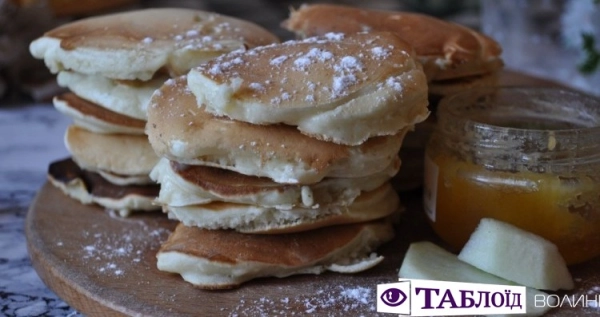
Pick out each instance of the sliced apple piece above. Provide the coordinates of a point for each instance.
(516, 255)
(425, 260)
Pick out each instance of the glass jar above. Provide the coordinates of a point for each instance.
(523, 155)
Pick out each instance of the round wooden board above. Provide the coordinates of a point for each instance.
(104, 265)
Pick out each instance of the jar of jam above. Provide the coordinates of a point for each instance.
(527, 156)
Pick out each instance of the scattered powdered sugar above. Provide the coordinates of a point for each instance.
(395, 83)
(345, 75)
(237, 61)
(348, 63)
(277, 61)
(256, 86)
(331, 36)
(380, 52)
(341, 83)
(358, 294)
(313, 55)
(302, 62)
(330, 301)
(224, 26)
(276, 100)
(170, 82)
(111, 253)
(191, 33)
(147, 40)
(216, 69)
(220, 66)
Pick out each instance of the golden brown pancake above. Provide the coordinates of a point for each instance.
(180, 130)
(120, 154)
(339, 88)
(184, 185)
(95, 118)
(126, 97)
(138, 44)
(446, 50)
(221, 259)
(375, 204)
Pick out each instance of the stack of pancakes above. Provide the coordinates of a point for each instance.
(277, 160)
(454, 58)
(112, 64)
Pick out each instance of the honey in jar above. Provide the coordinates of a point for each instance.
(526, 156)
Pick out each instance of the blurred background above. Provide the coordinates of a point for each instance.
(555, 39)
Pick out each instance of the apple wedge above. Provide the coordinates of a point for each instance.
(425, 260)
(516, 255)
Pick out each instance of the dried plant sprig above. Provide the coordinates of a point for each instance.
(592, 55)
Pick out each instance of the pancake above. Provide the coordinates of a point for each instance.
(129, 98)
(135, 45)
(90, 188)
(220, 259)
(181, 131)
(342, 89)
(445, 49)
(122, 154)
(375, 204)
(95, 118)
(125, 180)
(184, 185)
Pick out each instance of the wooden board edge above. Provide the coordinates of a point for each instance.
(50, 272)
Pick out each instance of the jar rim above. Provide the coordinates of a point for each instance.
(477, 107)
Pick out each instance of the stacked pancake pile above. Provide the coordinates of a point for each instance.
(277, 160)
(454, 58)
(112, 64)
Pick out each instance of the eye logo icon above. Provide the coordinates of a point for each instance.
(393, 297)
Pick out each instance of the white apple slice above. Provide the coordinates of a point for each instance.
(425, 260)
(516, 255)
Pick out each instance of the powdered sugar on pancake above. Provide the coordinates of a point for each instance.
(322, 85)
